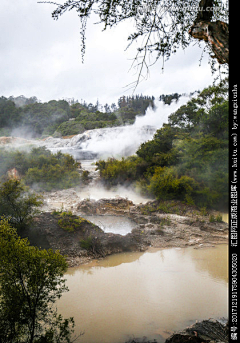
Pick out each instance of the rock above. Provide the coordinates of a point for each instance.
(78, 238)
(205, 331)
(153, 228)
(105, 206)
(160, 229)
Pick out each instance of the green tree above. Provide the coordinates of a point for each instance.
(41, 169)
(187, 159)
(207, 113)
(9, 114)
(31, 280)
(17, 203)
(160, 150)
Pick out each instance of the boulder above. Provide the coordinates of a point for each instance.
(204, 331)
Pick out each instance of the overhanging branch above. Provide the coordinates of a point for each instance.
(216, 34)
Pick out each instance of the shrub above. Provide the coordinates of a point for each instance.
(213, 219)
(86, 243)
(31, 283)
(68, 221)
(41, 169)
(165, 184)
(17, 203)
(93, 245)
(115, 171)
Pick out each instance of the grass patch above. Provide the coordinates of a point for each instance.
(69, 222)
(214, 219)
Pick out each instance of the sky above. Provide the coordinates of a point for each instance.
(42, 57)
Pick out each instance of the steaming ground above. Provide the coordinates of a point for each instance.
(68, 199)
(115, 142)
(99, 144)
(102, 143)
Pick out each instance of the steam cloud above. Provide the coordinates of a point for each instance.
(116, 141)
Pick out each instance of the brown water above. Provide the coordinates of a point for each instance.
(225, 217)
(146, 294)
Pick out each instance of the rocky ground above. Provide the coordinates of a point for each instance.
(159, 229)
(78, 239)
(202, 332)
(206, 331)
(156, 226)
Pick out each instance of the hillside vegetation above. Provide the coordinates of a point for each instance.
(41, 169)
(187, 158)
(30, 118)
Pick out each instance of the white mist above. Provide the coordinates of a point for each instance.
(116, 141)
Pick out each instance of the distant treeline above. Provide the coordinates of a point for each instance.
(26, 117)
(168, 98)
(187, 159)
(29, 117)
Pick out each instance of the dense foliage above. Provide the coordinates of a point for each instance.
(31, 280)
(41, 169)
(29, 118)
(17, 203)
(34, 119)
(188, 157)
(129, 107)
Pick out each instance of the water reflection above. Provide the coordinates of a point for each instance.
(146, 294)
(108, 262)
(207, 263)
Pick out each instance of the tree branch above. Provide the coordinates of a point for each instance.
(216, 34)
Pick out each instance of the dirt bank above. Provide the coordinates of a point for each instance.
(77, 238)
(157, 228)
(80, 240)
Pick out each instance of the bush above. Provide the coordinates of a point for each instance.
(93, 245)
(126, 170)
(214, 219)
(51, 177)
(31, 283)
(69, 222)
(70, 128)
(41, 169)
(86, 243)
(165, 184)
(17, 203)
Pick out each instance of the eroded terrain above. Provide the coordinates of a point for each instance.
(156, 224)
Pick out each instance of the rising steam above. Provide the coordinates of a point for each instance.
(116, 141)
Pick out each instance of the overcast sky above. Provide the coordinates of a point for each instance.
(42, 57)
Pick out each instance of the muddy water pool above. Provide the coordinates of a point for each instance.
(146, 294)
(114, 224)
